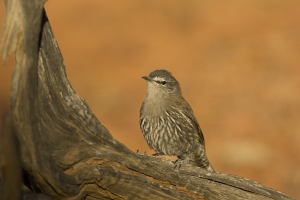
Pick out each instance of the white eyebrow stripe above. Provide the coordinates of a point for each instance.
(156, 78)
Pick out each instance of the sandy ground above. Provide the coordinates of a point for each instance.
(238, 63)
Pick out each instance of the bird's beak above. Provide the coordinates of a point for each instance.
(147, 78)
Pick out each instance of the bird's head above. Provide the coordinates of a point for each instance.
(162, 83)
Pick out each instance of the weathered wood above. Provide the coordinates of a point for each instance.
(67, 153)
(10, 162)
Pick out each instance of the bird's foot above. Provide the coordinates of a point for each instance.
(179, 162)
(139, 152)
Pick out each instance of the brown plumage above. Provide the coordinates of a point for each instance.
(168, 123)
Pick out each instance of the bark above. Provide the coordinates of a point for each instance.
(66, 153)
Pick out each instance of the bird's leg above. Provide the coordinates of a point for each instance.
(182, 160)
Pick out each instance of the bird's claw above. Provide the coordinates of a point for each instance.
(139, 152)
(179, 162)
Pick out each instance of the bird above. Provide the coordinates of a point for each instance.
(168, 123)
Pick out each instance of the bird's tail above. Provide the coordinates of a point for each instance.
(200, 159)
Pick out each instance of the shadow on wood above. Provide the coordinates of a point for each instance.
(67, 153)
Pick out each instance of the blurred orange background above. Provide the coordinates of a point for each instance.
(238, 63)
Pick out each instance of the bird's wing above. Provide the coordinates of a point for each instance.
(187, 112)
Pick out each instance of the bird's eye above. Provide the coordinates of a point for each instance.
(163, 82)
